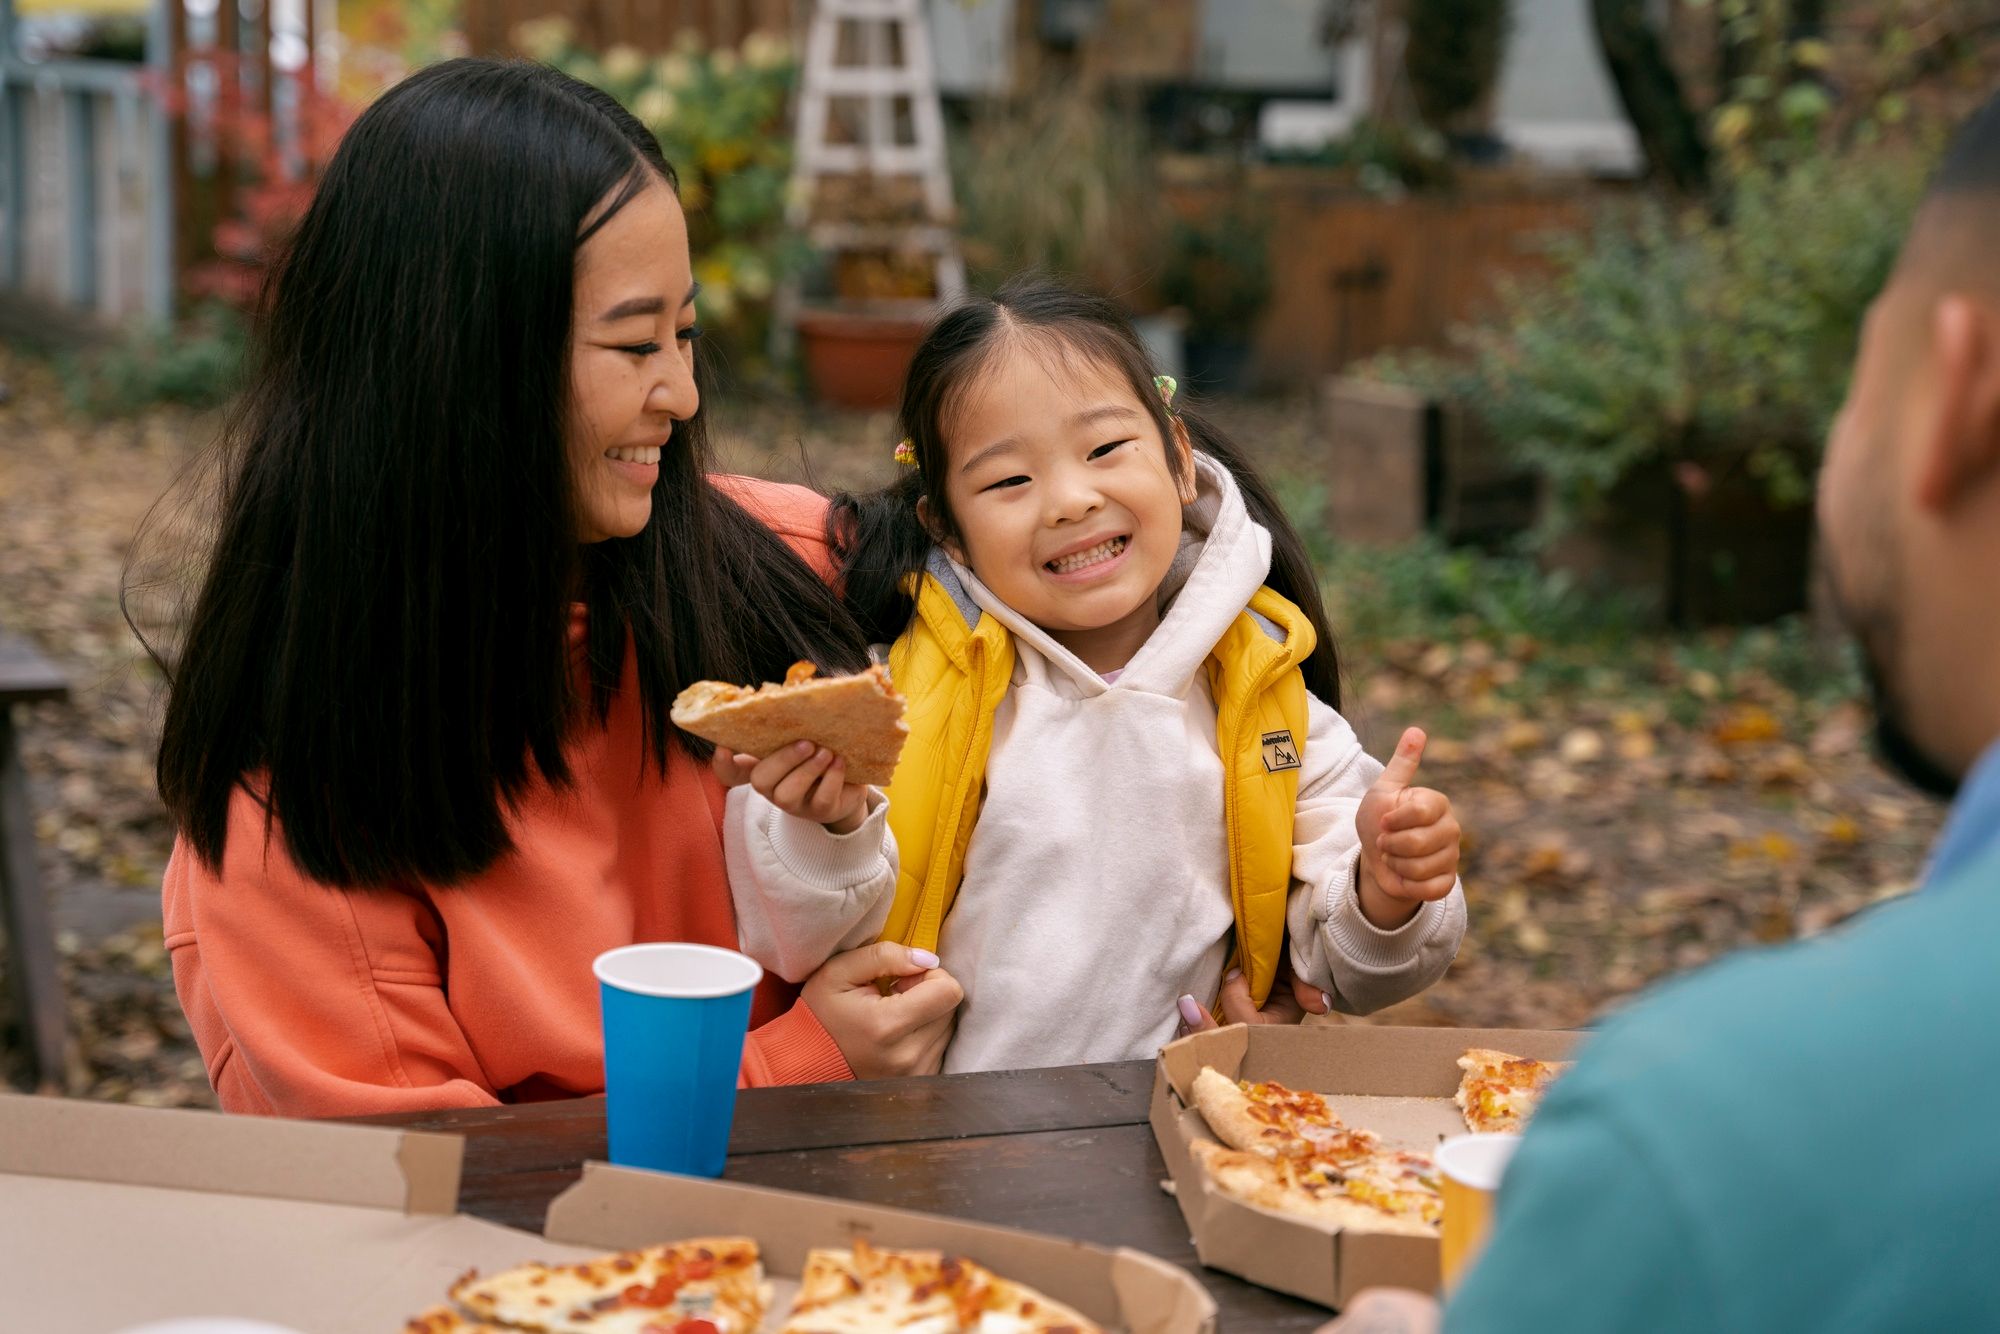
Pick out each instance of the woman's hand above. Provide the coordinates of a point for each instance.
(1289, 1002)
(900, 1031)
(1409, 841)
(804, 781)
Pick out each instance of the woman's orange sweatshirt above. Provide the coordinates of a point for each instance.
(308, 1000)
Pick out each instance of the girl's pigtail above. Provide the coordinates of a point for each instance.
(1292, 575)
(879, 542)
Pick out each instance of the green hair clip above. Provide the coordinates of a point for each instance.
(1168, 386)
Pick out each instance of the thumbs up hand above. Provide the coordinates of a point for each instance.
(1409, 840)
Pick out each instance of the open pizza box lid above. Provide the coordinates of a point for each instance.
(113, 1216)
(1397, 1082)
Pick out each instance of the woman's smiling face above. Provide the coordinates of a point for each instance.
(1063, 498)
(631, 359)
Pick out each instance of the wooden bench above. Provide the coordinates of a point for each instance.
(26, 677)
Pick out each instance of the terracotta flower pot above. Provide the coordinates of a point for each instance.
(857, 358)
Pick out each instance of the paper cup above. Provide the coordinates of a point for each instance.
(674, 1020)
(1469, 1171)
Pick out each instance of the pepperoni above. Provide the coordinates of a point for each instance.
(658, 1293)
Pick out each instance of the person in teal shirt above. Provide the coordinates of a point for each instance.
(1808, 1138)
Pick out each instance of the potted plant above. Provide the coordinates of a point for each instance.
(1218, 271)
(869, 299)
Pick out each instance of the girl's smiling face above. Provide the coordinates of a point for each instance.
(1064, 502)
(631, 359)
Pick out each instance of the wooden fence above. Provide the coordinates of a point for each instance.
(650, 25)
(1354, 274)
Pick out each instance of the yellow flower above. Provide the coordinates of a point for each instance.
(624, 63)
(655, 107)
(724, 63)
(675, 71)
(721, 159)
(543, 39)
(766, 50)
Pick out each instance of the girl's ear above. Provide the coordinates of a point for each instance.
(1186, 484)
(928, 518)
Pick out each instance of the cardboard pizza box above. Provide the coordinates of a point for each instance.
(114, 1216)
(1397, 1082)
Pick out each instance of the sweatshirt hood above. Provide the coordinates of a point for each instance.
(1224, 558)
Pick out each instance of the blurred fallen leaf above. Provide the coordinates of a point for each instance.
(1582, 746)
(1747, 724)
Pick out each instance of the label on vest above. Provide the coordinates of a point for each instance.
(1280, 752)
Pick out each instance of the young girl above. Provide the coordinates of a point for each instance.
(416, 747)
(1126, 777)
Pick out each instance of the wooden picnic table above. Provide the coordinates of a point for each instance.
(1064, 1151)
(26, 677)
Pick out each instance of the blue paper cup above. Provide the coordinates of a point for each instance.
(674, 1020)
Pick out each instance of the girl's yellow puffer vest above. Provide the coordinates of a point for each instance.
(954, 664)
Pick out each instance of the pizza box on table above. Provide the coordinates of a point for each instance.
(1397, 1082)
(113, 1216)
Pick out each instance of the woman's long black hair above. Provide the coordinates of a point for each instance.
(380, 642)
(879, 538)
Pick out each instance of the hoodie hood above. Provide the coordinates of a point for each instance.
(1224, 558)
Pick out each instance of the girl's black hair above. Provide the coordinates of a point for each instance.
(380, 645)
(879, 538)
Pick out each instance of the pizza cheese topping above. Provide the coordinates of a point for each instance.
(1499, 1092)
(716, 1286)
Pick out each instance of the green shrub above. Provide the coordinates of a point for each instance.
(1427, 590)
(722, 118)
(198, 362)
(1452, 55)
(1702, 344)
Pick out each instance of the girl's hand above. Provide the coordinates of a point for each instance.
(1409, 840)
(900, 1031)
(805, 781)
(1290, 1001)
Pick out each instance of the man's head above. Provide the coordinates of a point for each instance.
(1909, 501)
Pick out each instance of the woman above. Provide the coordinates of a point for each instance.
(416, 746)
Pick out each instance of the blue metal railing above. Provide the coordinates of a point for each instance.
(142, 134)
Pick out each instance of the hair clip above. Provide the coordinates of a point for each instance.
(906, 453)
(1168, 386)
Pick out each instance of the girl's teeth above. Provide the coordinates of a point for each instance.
(1102, 551)
(647, 454)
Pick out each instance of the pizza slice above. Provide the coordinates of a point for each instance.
(1498, 1092)
(708, 1285)
(858, 717)
(869, 1289)
(1277, 1122)
(1392, 1196)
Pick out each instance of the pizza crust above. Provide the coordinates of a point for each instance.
(859, 718)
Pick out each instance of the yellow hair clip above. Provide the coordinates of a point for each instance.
(906, 453)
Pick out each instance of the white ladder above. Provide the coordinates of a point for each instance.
(878, 155)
